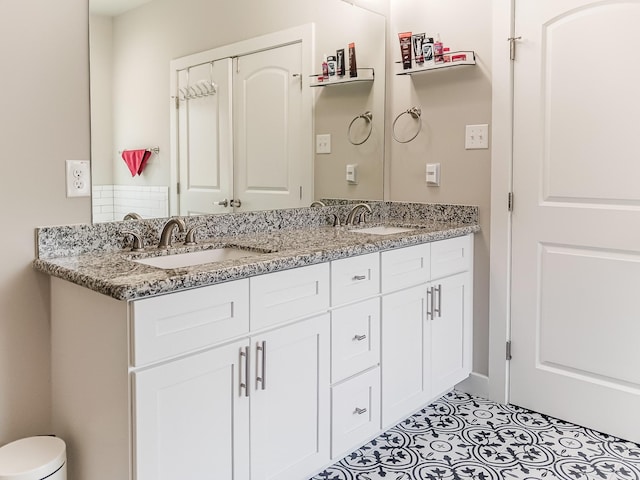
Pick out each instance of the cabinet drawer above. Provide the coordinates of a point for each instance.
(355, 339)
(450, 256)
(355, 415)
(281, 296)
(404, 267)
(355, 278)
(180, 322)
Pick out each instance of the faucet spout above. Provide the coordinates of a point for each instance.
(167, 231)
(354, 213)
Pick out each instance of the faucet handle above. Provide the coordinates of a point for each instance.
(190, 237)
(336, 220)
(138, 243)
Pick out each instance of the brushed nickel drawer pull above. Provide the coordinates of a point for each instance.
(244, 357)
(438, 309)
(360, 277)
(262, 379)
(359, 338)
(360, 411)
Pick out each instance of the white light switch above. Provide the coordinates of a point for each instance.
(433, 174)
(323, 143)
(352, 174)
(476, 137)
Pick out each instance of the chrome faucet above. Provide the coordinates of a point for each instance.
(167, 231)
(317, 203)
(354, 213)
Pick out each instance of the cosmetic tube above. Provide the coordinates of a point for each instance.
(405, 49)
(418, 42)
(353, 67)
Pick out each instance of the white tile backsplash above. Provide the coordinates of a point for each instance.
(112, 202)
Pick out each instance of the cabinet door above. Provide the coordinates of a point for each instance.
(191, 417)
(290, 406)
(405, 361)
(451, 334)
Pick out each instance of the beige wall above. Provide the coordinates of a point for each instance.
(44, 120)
(450, 99)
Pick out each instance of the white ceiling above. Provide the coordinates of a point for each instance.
(114, 8)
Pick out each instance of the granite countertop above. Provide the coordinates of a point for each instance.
(116, 274)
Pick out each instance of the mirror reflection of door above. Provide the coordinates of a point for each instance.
(205, 138)
(261, 97)
(270, 170)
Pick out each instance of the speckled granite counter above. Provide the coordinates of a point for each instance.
(94, 256)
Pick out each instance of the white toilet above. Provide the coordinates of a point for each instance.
(34, 458)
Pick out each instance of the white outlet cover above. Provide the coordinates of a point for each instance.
(78, 178)
(476, 137)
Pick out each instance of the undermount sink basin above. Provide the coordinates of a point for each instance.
(189, 259)
(381, 230)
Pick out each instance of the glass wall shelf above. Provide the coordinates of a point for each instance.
(457, 59)
(364, 75)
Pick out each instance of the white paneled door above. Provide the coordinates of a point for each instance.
(272, 170)
(575, 315)
(205, 137)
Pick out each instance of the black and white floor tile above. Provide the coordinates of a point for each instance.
(462, 437)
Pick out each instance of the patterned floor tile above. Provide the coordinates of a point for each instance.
(462, 437)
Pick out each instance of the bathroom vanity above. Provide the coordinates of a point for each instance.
(278, 367)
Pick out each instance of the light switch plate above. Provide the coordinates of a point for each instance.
(78, 181)
(323, 143)
(476, 137)
(433, 174)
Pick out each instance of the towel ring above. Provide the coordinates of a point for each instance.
(368, 116)
(416, 113)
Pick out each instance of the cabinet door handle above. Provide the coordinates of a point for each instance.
(262, 379)
(360, 411)
(359, 277)
(438, 309)
(430, 304)
(359, 338)
(244, 357)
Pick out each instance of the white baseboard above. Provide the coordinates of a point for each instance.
(476, 384)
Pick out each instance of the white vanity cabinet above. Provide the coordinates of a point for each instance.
(254, 409)
(272, 377)
(426, 323)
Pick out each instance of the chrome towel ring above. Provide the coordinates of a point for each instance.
(368, 117)
(416, 113)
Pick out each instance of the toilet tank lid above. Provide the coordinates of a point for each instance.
(31, 458)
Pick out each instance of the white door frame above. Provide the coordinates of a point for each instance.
(303, 33)
(501, 185)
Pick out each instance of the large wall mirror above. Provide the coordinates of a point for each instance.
(144, 58)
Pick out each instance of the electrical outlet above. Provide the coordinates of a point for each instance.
(476, 137)
(78, 181)
(323, 143)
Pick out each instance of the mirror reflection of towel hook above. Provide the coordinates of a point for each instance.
(368, 117)
(416, 113)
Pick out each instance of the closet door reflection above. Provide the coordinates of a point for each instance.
(205, 142)
(271, 168)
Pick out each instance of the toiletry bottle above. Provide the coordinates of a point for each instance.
(438, 50)
(331, 63)
(427, 48)
(446, 51)
(325, 68)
